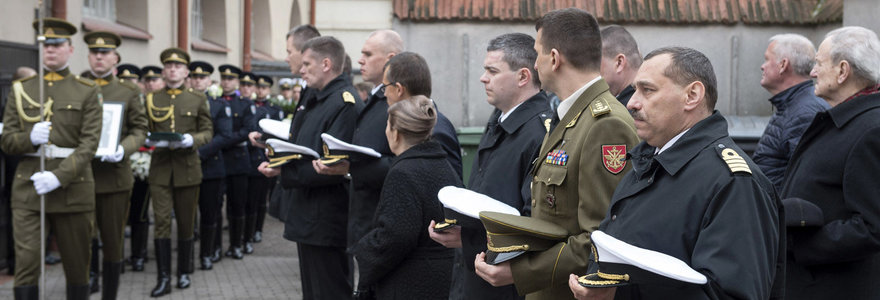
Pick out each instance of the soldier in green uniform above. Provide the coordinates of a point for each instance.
(581, 159)
(112, 172)
(69, 134)
(175, 168)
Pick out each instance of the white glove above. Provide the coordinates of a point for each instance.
(185, 143)
(159, 144)
(40, 133)
(115, 157)
(45, 182)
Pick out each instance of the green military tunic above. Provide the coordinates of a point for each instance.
(114, 181)
(175, 174)
(579, 165)
(76, 117)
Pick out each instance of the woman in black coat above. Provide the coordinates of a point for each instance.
(397, 257)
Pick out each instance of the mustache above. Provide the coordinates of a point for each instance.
(636, 114)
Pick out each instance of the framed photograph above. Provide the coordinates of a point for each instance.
(111, 128)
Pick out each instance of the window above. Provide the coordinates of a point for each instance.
(103, 9)
(196, 19)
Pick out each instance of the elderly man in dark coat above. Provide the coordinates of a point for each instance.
(836, 255)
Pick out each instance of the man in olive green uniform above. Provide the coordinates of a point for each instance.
(113, 177)
(581, 159)
(70, 133)
(175, 168)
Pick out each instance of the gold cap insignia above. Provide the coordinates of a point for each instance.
(151, 73)
(174, 56)
(247, 77)
(50, 31)
(99, 41)
(126, 73)
(199, 70)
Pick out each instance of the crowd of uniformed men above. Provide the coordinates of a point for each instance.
(587, 137)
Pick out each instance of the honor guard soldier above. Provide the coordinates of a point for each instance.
(152, 78)
(179, 123)
(213, 166)
(580, 161)
(258, 185)
(113, 177)
(71, 104)
(236, 152)
(140, 200)
(319, 205)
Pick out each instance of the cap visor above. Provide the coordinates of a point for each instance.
(494, 258)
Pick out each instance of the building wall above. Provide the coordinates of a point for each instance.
(862, 13)
(351, 21)
(455, 53)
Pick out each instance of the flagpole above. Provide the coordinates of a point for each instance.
(41, 39)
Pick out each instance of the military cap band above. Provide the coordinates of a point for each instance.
(56, 31)
(174, 55)
(200, 68)
(102, 40)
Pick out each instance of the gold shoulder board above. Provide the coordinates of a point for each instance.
(85, 81)
(599, 107)
(347, 97)
(734, 161)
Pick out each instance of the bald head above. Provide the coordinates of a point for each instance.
(380, 46)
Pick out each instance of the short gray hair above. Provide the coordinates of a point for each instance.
(519, 52)
(302, 34)
(391, 41)
(798, 49)
(616, 39)
(858, 46)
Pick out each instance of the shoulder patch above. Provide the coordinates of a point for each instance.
(734, 161)
(26, 78)
(599, 107)
(85, 81)
(347, 97)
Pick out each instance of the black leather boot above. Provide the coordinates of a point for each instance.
(250, 227)
(139, 235)
(235, 233)
(163, 262)
(78, 292)
(206, 247)
(218, 241)
(261, 219)
(110, 279)
(184, 262)
(94, 268)
(26, 292)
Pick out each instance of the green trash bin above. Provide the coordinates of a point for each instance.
(469, 139)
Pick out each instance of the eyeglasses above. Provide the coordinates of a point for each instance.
(384, 85)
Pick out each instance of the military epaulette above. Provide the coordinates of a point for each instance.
(347, 97)
(599, 107)
(26, 78)
(734, 161)
(85, 81)
(129, 84)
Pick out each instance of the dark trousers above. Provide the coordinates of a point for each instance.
(325, 272)
(258, 189)
(111, 211)
(210, 201)
(140, 202)
(236, 195)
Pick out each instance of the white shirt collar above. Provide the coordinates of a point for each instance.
(670, 142)
(566, 104)
(507, 114)
(375, 89)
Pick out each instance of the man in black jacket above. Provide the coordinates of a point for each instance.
(318, 216)
(786, 74)
(833, 170)
(501, 168)
(692, 193)
(620, 61)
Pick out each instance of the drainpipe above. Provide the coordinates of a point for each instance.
(182, 25)
(312, 12)
(59, 9)
(246, 40)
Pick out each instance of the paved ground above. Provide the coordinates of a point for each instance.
(271, 272)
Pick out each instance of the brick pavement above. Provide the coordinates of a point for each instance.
(271, 272)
